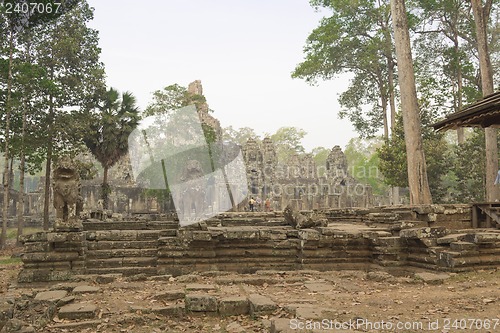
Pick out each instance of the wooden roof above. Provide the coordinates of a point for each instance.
(483, 113)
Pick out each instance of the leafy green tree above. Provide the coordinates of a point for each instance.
(68, 50)
(107, 139)
(16, 24)
(393, 161)
(320, 155)
(288, 142)
(356, 39)
(171, 98)
(239, 136)
(363, 161)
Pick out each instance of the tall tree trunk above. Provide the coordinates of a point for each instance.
(105, 188)
(481, 14)
(46, 203)
(22, 165)
(394, 192)
(22, 170)
(417, 168)
(6, 174)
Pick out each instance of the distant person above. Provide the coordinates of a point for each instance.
(267, 205)
(251, 204)
(258, 203)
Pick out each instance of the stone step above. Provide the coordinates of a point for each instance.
(121, 262)
(126, 271)
(111, 245)
(115, 253)
(130, 225)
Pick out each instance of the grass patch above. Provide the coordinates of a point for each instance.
(10, 261)
(12, 232)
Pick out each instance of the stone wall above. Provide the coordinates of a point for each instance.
(255, 241)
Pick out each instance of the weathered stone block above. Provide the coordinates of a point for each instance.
(421, 233)
(107, 278)
(233, 306)
(37, 247)
(483, 237)
(201, 236)
(57, 237)
(77, 311)
(431, 278)
(200, 287)
(309, 234)
(86, 290)
(451, 238)
(50, 256)
(201, 303)
(170, 295)
(117, 235)
(35, 237)
(261, 305)
(51, 295)
(241, 234)
(462, 246)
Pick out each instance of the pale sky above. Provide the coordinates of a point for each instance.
(243, 51)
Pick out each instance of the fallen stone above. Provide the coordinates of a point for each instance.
(432, 278)
(201, 303)
(234, 327)
(200, 287)
(51, 296)
(168, 311)
(231, 306)
(86, 290)
(422, 233)
(76, 326)
(107, 278)
(379, 276)
(65, 300)
(77, 311)
(318, 286)
(170, 295)
(451, 238)
(6, 313)
(18, 326)
(165, 277)
(281, 325)
(462, 246)
(309, 312)
(261, 305)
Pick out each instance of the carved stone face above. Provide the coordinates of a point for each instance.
(193, 169)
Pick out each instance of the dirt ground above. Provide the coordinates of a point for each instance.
(307, 301)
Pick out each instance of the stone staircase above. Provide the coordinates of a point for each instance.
(126, 247)
(486, 215)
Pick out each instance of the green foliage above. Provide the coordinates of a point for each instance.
(393, 163)
(363, 161)
(107, 138)
(288, 142)
(320, 154)
(239, 136)
(467, 180)
(171, 98)
(356, 39)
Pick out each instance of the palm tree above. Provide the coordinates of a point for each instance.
(110, 128)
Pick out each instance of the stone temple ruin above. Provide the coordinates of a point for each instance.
(297, 183)
(310, 228)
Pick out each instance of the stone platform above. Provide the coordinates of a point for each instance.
(249, 242)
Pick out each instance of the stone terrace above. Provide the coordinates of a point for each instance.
(433, 237)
